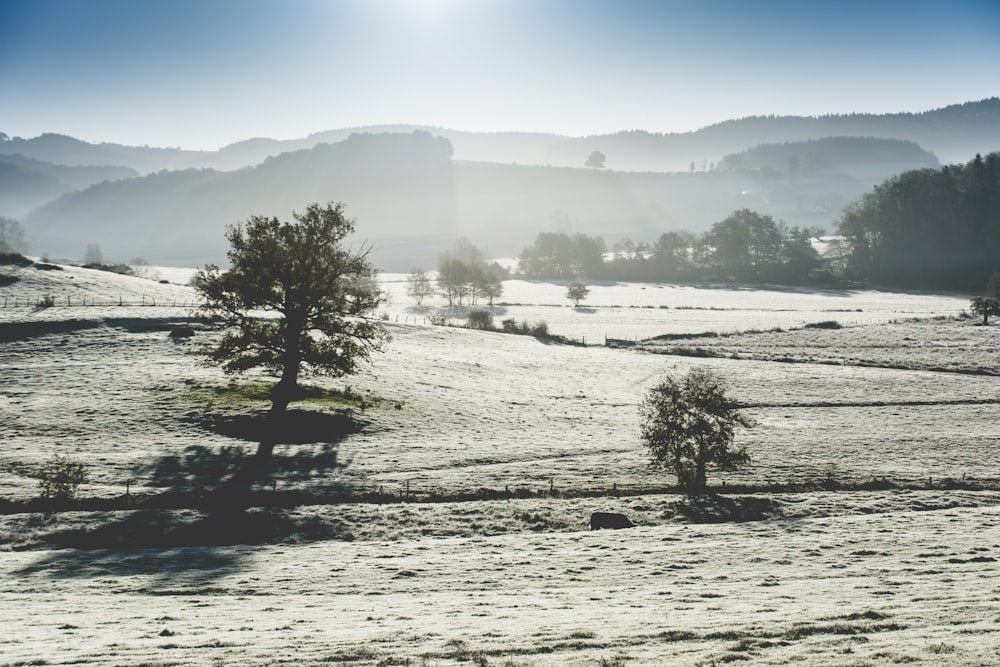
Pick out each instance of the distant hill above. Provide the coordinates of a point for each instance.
(26, 183)
(412, 199)
(858, 157)
(952, 134)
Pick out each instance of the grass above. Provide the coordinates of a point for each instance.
(258, 391)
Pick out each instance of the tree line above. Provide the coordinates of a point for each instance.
(745, 247)
(928, 228)
(923, 229)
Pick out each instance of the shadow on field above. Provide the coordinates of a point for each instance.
(180, 546)
(201, 468)
(177, 567)
(724, 509)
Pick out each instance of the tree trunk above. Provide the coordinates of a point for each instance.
(700, 478)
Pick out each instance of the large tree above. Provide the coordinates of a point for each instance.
(689, 424)
(295, 300)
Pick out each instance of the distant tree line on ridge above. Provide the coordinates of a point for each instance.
(923, 229)
(745, 247)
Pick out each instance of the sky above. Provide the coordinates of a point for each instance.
(201, 74)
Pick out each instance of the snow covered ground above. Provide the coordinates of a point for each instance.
(824, 578)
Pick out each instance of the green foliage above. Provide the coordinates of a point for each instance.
(242, 392)
(524, 328)
(928, 228)
(985, 306)
(556, 255)
(690, 424)
(745, 245)
(294, 300)
(480, 319)
(61, 477)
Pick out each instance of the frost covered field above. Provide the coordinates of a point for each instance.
(901, 568)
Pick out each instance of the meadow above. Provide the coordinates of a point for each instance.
(465, 464)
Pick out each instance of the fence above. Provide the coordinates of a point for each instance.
(84, 301)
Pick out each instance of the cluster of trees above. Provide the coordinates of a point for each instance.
(745, 247)
(463, 277)
(929, 228)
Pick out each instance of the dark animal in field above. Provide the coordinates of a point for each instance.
(600, 520)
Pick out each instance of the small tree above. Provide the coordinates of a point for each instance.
(418, 286)
(60, 477)
(319, 297)
(577, 292)
(689, 424)
(985, 306)
(595, 160)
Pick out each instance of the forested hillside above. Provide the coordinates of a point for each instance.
(929, 228)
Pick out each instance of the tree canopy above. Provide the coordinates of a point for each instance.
(689, 424)
(294, 300)
(933, 229)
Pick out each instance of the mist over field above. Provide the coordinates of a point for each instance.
(505, 333)
(414, 190)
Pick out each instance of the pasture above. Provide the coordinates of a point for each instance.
(866, 531)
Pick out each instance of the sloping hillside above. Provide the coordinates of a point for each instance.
(412, 201)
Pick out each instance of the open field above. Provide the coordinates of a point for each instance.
(903, 572)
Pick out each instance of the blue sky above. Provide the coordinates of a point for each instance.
(205, 73)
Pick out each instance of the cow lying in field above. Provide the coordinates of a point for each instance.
(600, 520)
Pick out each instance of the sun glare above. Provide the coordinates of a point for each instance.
(428, 7)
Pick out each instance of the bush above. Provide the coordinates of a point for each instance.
(540, 329)
(61, 477)
(828, 324)
(14, 258)
(47, 301)
(480, 319)
(512, 326)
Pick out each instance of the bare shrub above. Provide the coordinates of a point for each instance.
(61, 477)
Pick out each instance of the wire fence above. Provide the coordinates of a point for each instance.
(90, 301)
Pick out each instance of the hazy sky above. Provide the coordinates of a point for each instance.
(205, 73)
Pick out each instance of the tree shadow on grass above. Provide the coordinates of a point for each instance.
(201, 468)
(199, 543)
(179, 548)
(712, 508)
